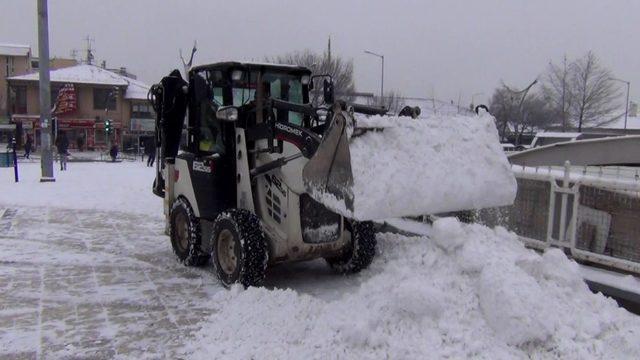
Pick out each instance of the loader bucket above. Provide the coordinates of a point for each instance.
(380, 167)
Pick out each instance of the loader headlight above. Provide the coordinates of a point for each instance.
(236, 75)
(305, 79)
(227, 113)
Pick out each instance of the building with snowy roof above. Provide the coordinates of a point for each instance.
(83, 97)
(14, 60)
(616, 127)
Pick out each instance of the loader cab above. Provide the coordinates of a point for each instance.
(239, 85)
(208, 142)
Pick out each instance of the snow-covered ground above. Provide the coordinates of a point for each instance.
(124, 186)
(78, 279)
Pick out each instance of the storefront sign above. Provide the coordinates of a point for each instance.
(66, 102)
(75, 123)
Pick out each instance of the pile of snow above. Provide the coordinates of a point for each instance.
(424, 166)
(466, 291)
(123, 186)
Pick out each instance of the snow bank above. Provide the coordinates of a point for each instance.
(429, 165)
(124, 187)
(485, 296)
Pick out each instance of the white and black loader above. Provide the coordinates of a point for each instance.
(252, 174)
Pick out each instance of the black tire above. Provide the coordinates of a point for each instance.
(239, 253)
(360, 253)
(185, 234)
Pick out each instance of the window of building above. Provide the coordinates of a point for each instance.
(141, 111)
(10, 65)
(19, 100)
(104, 99)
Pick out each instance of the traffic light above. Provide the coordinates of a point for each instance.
(107, 126)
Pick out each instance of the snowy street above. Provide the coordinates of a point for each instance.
(93, 284)
(77, 281)
(392, 180)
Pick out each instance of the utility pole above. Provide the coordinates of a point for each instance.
(89, 55)
(382, 77)
(46, 160)
(626, 105)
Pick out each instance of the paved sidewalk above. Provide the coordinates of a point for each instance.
(86, 284)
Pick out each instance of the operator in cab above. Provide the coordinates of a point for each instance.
(210, 130)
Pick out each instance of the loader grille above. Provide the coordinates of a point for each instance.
(274, 206)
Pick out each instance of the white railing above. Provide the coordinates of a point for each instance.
(623, 187)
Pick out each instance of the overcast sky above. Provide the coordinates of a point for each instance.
(442, 48)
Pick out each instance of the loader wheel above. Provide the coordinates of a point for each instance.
(239, 252)
(361, 251)
(466, 216)
(185, 234)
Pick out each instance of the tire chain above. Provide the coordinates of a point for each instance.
(254, 246)
(363, 252)
(195, 257)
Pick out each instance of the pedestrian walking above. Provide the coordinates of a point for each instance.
(62, 143)
(80, 142)
(27, 146)
(113, 152)
(150, 149)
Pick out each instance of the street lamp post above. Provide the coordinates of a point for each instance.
(46, 159)
(473, 97)
(626, 105)
(382, 78)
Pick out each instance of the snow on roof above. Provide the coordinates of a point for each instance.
(633, 123)
(556, 134)
(79, 74)
(136, 90)
(91, 74)
(14, 49)
(252, 63)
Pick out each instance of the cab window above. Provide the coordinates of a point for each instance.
(209, 127)
(244, 90)
(289, 88)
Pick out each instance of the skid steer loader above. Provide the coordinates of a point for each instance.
(259, 176)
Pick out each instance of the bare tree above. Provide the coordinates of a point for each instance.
(340, 70)
(594, 92)
(516, 115)
(557, 91)
(187, 64)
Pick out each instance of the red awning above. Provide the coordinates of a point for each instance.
(33, 121)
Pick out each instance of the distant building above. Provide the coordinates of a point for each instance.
(17, 60)
(428, 106)
(54, 63)
(14, 60)
(87, 96)
(613, 128)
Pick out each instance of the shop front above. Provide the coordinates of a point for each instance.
(83, 134)
(141, 132)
